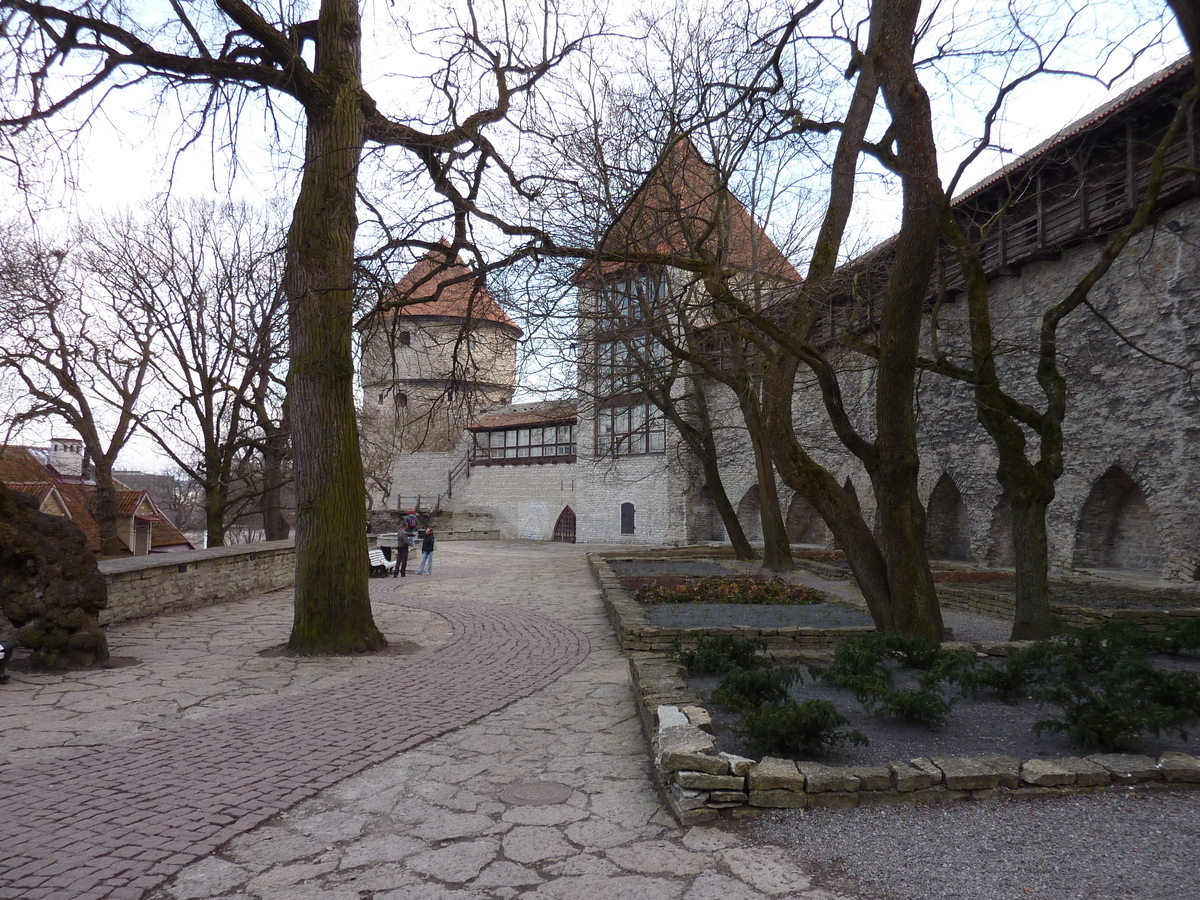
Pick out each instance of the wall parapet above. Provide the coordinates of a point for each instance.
(142, 586)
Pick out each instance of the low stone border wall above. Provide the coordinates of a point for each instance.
(978, 598)
(141, 586)
(701, 784)
(1003, 605)
(635, 633)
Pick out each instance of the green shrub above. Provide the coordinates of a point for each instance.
(923, 706)
(796, 729)
(1179, 635)
(857, 667)
(774, 592)
(743, 689)
(721, 653)
(1108, 692)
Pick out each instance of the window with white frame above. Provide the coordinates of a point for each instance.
(630, 430)
(541, 443)
(630, 300)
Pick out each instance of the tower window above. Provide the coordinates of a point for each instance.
(404, 338)
(401, 400)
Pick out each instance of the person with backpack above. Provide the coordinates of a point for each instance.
(426, 552)
(402, 539)
(410, 525)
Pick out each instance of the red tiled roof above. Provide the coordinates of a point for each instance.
(433, 288)
(36, 489)
(19, 466)
(547, 412)
(683, 207)
(20, 469)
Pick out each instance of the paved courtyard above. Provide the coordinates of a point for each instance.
(209, 770)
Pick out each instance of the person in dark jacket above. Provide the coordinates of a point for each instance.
(426, 553)
(401, 554)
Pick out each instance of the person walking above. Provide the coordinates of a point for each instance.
(426, 552)
(410, 524)
(401, 553)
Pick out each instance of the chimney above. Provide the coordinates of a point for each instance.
(66, 456)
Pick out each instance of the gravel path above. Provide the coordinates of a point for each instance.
(1106, 846)
(754, 615)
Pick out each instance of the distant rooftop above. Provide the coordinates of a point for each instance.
(433, 288)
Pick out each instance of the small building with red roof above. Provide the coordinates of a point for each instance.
(56, 477)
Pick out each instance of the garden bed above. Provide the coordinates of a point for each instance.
(703, 780)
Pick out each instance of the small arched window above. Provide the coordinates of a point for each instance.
(401, 400)
(627, 518)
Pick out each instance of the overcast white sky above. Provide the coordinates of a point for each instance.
(128, 151)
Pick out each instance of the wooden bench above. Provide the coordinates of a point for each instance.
(380, 564)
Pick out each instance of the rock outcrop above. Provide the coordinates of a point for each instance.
(51, 589)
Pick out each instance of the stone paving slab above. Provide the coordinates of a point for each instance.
(114, 821)
(424, 823)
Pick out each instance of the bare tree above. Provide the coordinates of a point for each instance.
(207, 276)
(81, 353)
(219, 57)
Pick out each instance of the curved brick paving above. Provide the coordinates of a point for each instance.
(121, 819)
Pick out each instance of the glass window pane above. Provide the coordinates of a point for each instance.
(657, 441)
(523, 452)
(637, 443)
(510, 439)
(523, 437)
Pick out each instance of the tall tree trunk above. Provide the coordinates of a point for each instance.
(777, 552)
(214, 515)
(332, 603)
(812, 481)
(270, 501)
(1032, 619)
(895, 478)
(106, 507)
(700, 441)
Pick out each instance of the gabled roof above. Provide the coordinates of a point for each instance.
(544, 412)
(433, 288)
(21, 470)
(682, 207)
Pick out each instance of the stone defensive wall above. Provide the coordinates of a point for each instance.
(141, 586)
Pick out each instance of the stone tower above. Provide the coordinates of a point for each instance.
(440, 353)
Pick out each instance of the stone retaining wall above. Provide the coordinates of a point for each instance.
(701, 784)
(1002, 605)
(636, 633)
(141, 586)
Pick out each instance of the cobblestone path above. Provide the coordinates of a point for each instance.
(116, 820)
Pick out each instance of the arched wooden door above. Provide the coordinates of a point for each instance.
(564, 528)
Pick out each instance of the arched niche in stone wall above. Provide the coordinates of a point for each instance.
(947, 529)
(804, 524)
(748, 514)
(1117, 528)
